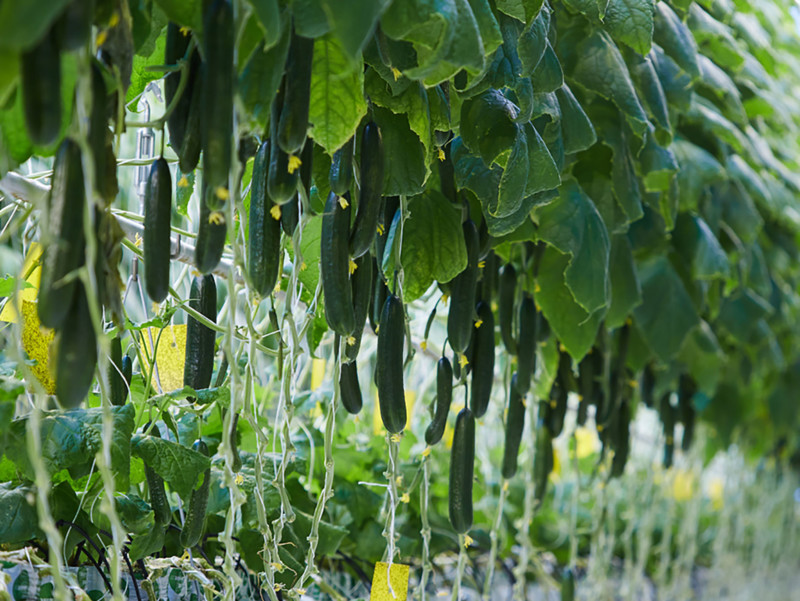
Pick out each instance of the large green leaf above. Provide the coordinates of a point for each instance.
(629, 22)
(532, 43)
(698, 169)
(576, 128)
(626, 292)
(576, 329)
(696, 243)
(23, 24)
(651, 93)
(666, 314)
(487, 125)
(674, 37)
(259, 81)
(140, 75)
(740, 313)
(336, 101)
(19, 521)
(522, 10)
(572, 224)
(703, 358)
(179, 466)
(406, 166)
(715, 38)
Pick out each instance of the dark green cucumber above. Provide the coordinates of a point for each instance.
(506, 292)
(390, 206)
(198, 504)
(74, 26)
(65, 250)
(155, 486)
(199, 363)
(462, 294)
(648, 385)
(526, 351)
(617, 377)
(349, 388)
(361, 282)
(156, 243)
(189, 150)
(127, 371)
(515, 423)
(335, 265)
(485, 240)
(620, 440)
(40, 70)
(290, 216)
(76, 353)
(218, 88)
(542, 459)
(559, 395)
(293, 125)
(211, 233)
(307, 166)
(264, 239)
(447, 180)
(568, 585)
(686, 391)
(391, 394)
(341, 174)
(98, 131)
(281, 183)
(379, 293)
(236, 467)
(488, 286)
(462, 466)
(444, 396)
(586, 383)
(118, 387)
(482, 360)
(177, 43)
(369, 199)
(668, 416)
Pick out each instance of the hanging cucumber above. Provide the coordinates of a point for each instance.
(526, 351)
(444, 396)
(98, 132)
(686, 391)
(515, 423)
(211, 233)
(76, 351)
(391, 394)
(65, 250)
(335, 265)
(542, 459)
(118, 387)
(293, 124)
(199, 363)
(369, 199)
(462, 466)
(189, 150)
(648, 385)
(506, 291)
(281, 180)
(620, 440)
(155, 486)
(586, 384)
(481, 360)
(175, 47)
(668, 418)
(264, 239)
(361, 282)
(127, 371)
(568, 585)
(390, 206)
(488, 282)
(341, 174)
(349, 388)
(198, 504)
(562, 386)
(617, 376)
(74, 26)
(462, 294)
(157, 215)
(379, 294)
(40, 70)
(218, 87)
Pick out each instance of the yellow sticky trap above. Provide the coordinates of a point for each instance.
(317, 373)
(37, 340)
(170, 355)
(397, 575)
(586, 442)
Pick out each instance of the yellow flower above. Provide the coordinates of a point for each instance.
(351, 340)
(395, 438)
(222, 193)
(481, 264)
(468, 540)
(137, 241)
(183, 182)
(101, 38)
(216, 217)
(396, 73)
(445, 298)
(239, 479)
(463, 361)
(294, 163)
(343, 202)
(184, 30)
(114, 20)
(682, 485)
(405, 498)
(426, 451)
(352, 267)
(275, 212)
(478, 323)
(424, 345)
(303, 266)
(441, 155)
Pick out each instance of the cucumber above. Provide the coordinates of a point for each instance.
(668, 417)
(118, 387)
(390, 206)
(616, 378)
(379, 293)
(568, 585)
(236, 467)
(586, 384)
(211, 233)
(76, 350)
(40, 70)
(335, 265)
(620, 440)
(341, 174)
(489, 277)
(189, 150)
(155, 486)
(74, 26)
(462, 294)
(369, 199)
(127, 371)
(485, 241)
(506, 291)
(481, 360)
(515, 423)
(648, 385)
(65, 250)
(198, 504)
(177, 43)
(526, 352)
(686, 390)
(559, 394)
(444, 396)
(199, 364)
(361, 282)
(218, 86)
(391, 395)
(290, 216)
(447, 179)
(281, 185)
(293, 124)
(264, 239)
(307, 166)
(157, 215)
(462, 466)
(98, 133)
(349, 388)
(542, 459)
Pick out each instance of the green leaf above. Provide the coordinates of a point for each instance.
(576, 128)
(626, 292)
(697, 169)
(651, 92)
(136, 515)
(513, 180)
(572, 224)
(310, 252)
(677, 41)
(600, 69)
(259, 82)
(739, 313)
(140, 76)
(433, 244)
(667, 314)
(337, 102)
(19, 521)
(188, 13)
(703, 357)
(715, 38)
(548, 75)
(269, 18)
(147, 543)
(722, 87)
(23, 24)
(705, 114)
(353, 25)
(406, 168)
(575, 328)
(179, 466)
(677, 85)
(629, 22)
(487, 125)
(310, 18)
(699, 248)
(522, 10)
(533, 42)
(8, 285)
(657, 166)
